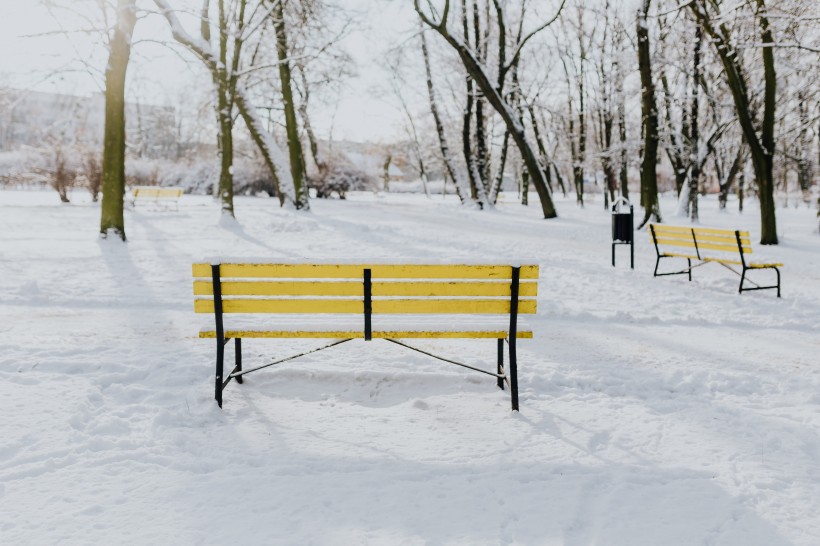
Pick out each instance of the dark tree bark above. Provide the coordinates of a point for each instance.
(649, 112)
(726, 183)
(623, 171)
(760, 139)
(224, 115)
(694, 172)
(467, 120)
(675, 149)
(297, 161)
(542, 149)
(313, 143)
(514, 126)
(499, 176)
(462, 188)
(482, 159)
(112, 222)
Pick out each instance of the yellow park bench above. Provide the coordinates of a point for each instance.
(155, 195)
(379, 301)
(708, 245)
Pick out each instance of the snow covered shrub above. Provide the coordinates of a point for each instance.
(93, 175)
(142, 172)
(339, 179)
(252, 177)
(62, 175)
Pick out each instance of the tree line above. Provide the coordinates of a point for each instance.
(554, 91)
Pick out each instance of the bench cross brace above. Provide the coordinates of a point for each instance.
(397, 342)
(238, 374)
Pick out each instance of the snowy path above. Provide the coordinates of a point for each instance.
(654, 411)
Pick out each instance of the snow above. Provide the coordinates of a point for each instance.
(653, 411)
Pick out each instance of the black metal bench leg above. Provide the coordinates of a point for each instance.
(776, 270)
(689, 261)
(743, 278)
(238, 355)
(220, 361)
(500, 363)
(513, 375)
(657, 263)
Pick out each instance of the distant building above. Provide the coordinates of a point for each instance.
(37, 119)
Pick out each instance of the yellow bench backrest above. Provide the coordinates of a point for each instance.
(339, 288)
(157, 193)
(700, 238)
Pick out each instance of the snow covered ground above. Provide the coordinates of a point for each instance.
(653, 411)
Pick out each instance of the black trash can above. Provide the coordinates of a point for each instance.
(623, 228)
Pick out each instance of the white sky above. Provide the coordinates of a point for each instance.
(33, 54)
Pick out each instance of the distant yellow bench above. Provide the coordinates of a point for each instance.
(706, 245)
(378, 301)
(156, 195)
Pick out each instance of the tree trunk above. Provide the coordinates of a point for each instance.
(112, 222)
(542, 149)
(467, 119)
(674, 150)
(386, 172)
(741, 187)
(482, 153)
(303, 112)
(623, 172)
(761, 148)
(805, 170)
(224, 117)
(513, 125)
(461, 185)
(694, 173)
(578, 164)
(734, 169)
(297, 161)
(499, 177)
(560, 178)
(649, 112)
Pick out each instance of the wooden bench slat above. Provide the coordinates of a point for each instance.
(729, 238)
(358, 334)
(356, 288)
(397, 306)
(281, 288)
(663, 228)
(702, 246)
(346, 271)
(172, 193)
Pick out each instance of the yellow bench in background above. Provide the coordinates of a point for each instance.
(162, 196)
(706, 245)
(378, 301)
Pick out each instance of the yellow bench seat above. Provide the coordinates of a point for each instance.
(750, 265)
(709, 245)
(347, 301)
(383, 327)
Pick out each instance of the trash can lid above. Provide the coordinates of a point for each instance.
(620, 201)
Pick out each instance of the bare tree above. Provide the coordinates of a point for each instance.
(112, 222)
(649, 112)
(231, 93)
(297, 162)
(462, 186)
(482, 80)
(758, 130)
